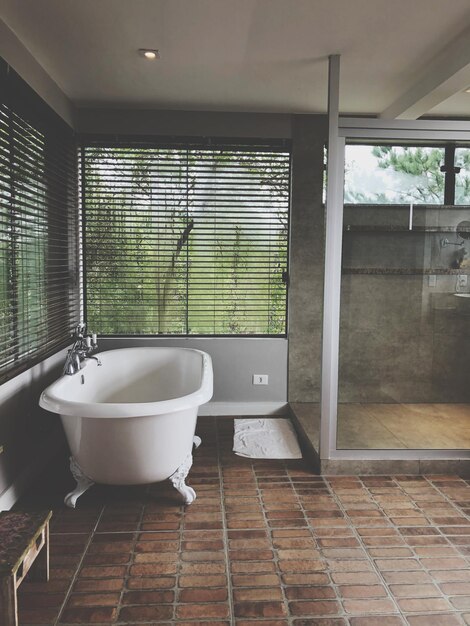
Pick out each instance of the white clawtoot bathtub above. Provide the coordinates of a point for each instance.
(131, 420)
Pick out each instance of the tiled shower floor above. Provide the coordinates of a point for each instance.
(266, 542)
(399, 426)
(392, 426)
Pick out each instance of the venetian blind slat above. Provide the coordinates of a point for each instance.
(38, 228)
(184, 239)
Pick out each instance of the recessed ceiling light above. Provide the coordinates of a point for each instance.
(467, 90)
(150, 54)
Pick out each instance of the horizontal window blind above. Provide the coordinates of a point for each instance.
(186, 239)
(38, 224)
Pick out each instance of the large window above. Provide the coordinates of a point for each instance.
(389, 174)
(38, 290)
(185, 239)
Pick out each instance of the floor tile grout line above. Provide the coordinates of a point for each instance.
(361, 543)
(394, 435)
(432, 502)
(224, 526)
(78, 567)
(412, 548)
(458, 509)
(456, 612)
(274, 552)
(425, 569)
(418, 509)
(311, 528)
(274, 559)
(129, 565)
(179, 568)
(397, 528)
(438, 528)
(446, 497)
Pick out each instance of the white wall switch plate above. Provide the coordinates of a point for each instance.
(432, 280)
(462, 280)
(260, 379)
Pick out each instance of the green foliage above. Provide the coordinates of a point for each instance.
(462, 183)
(422, 163)
(24, 243)
(413, 174)
(171, 250)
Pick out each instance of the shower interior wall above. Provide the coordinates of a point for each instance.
(404, 335)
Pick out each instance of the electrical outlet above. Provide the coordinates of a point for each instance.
(432, 280)
(260, 379)
(462, 280)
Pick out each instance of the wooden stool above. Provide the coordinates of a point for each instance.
(24, 546)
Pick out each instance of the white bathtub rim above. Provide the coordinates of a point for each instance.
(54, 403)
(124, 410)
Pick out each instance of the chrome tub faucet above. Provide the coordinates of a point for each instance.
(81, 349)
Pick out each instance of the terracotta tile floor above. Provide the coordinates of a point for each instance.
(266, 542)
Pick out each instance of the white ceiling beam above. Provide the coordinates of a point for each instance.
(446, 75)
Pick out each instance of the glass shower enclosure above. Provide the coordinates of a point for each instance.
(396, 349)
(405, 298)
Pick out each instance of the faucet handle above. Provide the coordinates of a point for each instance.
(80, 330)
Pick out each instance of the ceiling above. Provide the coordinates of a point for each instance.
(238, 55)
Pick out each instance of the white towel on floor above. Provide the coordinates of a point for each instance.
(266, 438)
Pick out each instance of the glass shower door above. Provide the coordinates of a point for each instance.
(405, 301)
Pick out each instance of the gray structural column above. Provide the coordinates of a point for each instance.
(306, 268)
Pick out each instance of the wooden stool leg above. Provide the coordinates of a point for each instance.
(39, 570)
(8, 602)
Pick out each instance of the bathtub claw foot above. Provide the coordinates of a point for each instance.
(83, 484)
(196, 441)
(178, 480)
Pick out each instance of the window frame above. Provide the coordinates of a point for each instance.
(214, 143)
(449, 175)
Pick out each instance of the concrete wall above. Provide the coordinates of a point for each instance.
(404, 335)
(306, 269)
(29, 435)
(183, 123)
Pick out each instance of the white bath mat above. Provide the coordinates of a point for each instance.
(266, 438)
